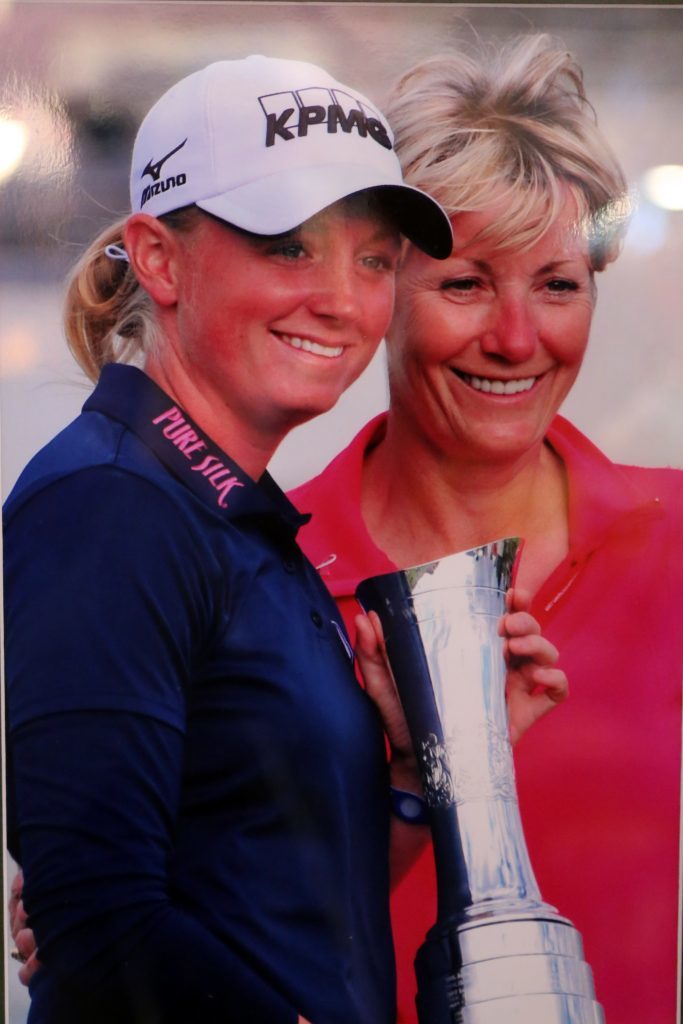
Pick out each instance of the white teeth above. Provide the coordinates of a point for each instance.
(312, 346)
(499, 387)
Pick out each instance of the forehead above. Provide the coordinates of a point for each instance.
(351, 223)
(505, 226)
(485, 235)
(363, 209)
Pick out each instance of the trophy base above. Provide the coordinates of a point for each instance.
(504, 971)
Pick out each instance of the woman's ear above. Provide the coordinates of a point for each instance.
(153, 252)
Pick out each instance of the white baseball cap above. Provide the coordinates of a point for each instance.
(265, 143)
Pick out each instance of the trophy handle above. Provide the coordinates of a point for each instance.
(437, 969)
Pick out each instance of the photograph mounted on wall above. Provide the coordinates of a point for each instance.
(342, 481)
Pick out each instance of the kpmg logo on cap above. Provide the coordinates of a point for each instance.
(153, 170)
(290, 115)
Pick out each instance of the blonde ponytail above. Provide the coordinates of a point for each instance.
(107, 315)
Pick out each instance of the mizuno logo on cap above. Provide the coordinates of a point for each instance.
(289, 115)
(153, 169)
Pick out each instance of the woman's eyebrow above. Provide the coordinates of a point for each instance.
(556, 264)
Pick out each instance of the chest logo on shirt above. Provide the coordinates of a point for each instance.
(182, 434)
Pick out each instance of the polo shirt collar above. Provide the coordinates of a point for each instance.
(126, 394)
(602, 499)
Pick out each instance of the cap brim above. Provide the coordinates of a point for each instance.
(276, 204)
(419, 218)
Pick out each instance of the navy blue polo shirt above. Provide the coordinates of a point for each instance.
(197, 784)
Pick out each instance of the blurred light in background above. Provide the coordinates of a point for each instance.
(663, 186)
(13, 142)
(648, 230)
(36, 135)
(19, 352)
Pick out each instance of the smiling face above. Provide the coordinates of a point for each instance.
(269, 332)
(484, 346)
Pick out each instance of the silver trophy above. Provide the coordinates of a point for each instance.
(497, 954)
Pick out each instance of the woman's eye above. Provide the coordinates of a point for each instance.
(289, 250)
(379, 262)
(460, 284)
(560, 284)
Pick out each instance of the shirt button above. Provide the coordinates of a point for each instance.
(316, 618)
(289, 565)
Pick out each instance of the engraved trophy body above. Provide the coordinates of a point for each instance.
(497, 954)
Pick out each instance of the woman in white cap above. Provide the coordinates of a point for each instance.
(197, 786)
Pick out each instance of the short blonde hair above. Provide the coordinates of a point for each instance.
(514, 125)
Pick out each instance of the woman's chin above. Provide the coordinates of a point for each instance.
(307, 408)
(499, 443)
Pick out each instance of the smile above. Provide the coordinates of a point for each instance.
(497, 387)
(306, 345)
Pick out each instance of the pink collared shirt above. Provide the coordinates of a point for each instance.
(599, 779)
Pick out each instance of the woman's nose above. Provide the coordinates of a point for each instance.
(336, 292)
(512, 333)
